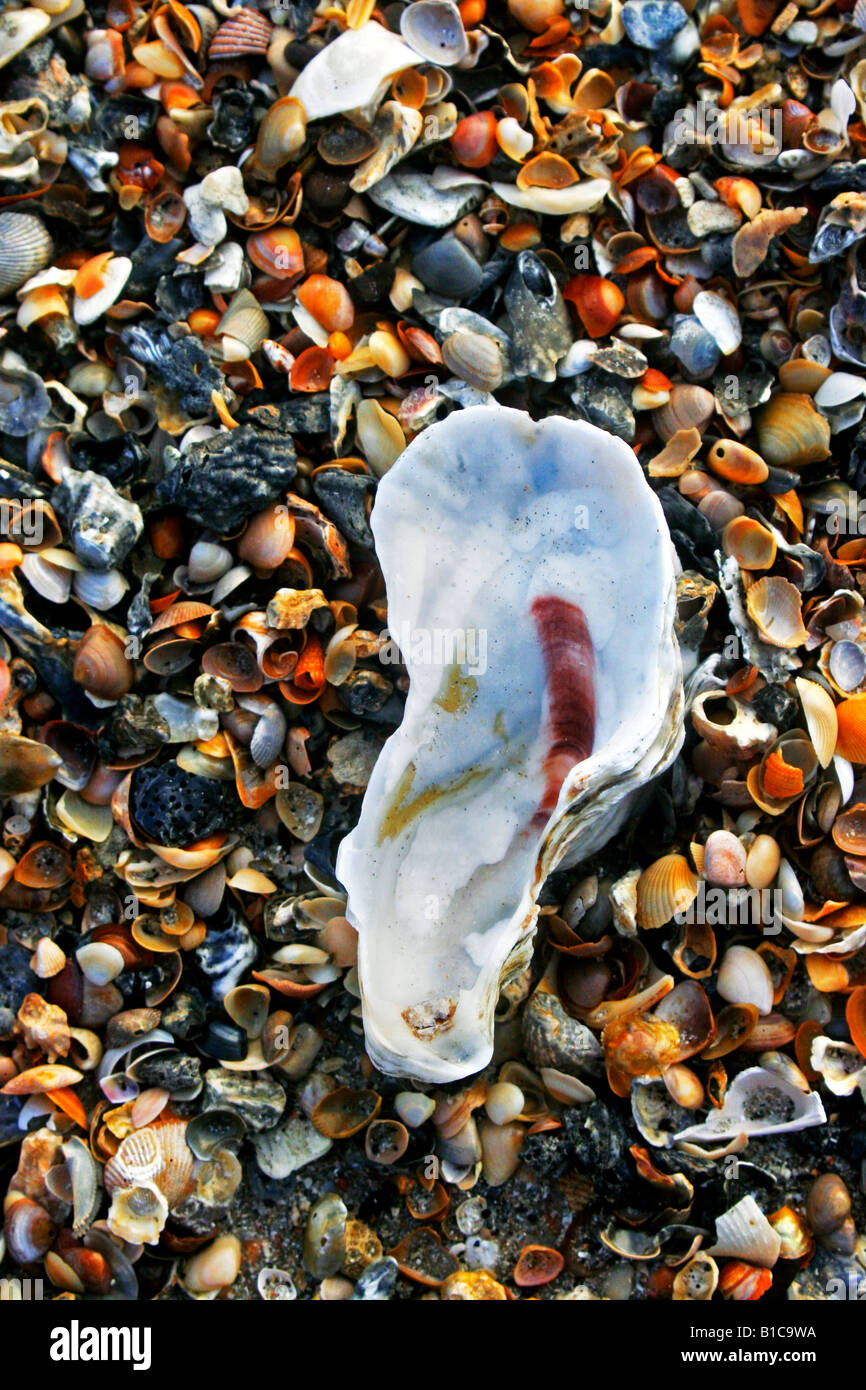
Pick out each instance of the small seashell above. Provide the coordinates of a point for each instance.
(790, 432)
(281, 135)
(245, 31)
(776, 609)
(102, 589)
(214, 1268)
(744, 978)
(48, 959)
(696, 1281)
(101, 665)
(666, 887)
(828, 1204)
(414, 1108)
(348, 72)
(598, 302)
(762, 862)
(504, 1102)
(25, 247)
(473, 357)
(689, 407)
(18, 29)
(724, 860)
(138, 1214)
(745, 1233)
(851, 719)
(751, 544)
(434, 29)
(100, 963)
(821, 719)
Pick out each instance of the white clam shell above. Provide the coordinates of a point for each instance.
(434, 29)
(483, 514)
(351, 70)
(744, 978)
(745, 1233)
(759, 1102)
(559, 202)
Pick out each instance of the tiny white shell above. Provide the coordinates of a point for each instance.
(744, 978)
(745, 1233)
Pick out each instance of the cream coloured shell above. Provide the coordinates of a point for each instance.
(25, 248)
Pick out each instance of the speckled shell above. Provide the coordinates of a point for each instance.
(25, 248)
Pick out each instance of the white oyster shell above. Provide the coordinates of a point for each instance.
(485, 515)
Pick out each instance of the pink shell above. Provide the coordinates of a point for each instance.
(246, 31)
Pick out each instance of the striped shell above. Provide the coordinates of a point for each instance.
(158, 1154)
(246, 31)
(25, 248)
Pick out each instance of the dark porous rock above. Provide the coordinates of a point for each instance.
(173, 1071)
(599, 1141)
(774, 705)
(233, 125)
(183, 365)
(184, 1013)
(344, 497)
(16, 981)
(365, 692)
(225, 955)
(103, 525)
(259, 1100)
(117, 115)
(547, 1154)
(178, 295)
(224, 480)
(174, 807)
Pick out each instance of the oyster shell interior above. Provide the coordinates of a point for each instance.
(531, 587)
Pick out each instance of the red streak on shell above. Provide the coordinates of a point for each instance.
(569, 661)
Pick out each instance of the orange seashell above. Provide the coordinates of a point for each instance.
(744, 1283)
(166, 536)
(756, 16)
(855, 1016)
(44, 866)
(164, 216)
(68, 1102)
(851, 742)
(537, 1265)
(277, 251)
(245, 31)
(101, 665)
(472, 12)
(235, 663)
(598, 302)
(547, 170)
(268, 538)
(10, 555)
(665, 887)
(328, 301)
(780, 780)
(474, 141)
(91, 275)
(39, 1080)
(180, 613)
(312, 370)
(737, 464)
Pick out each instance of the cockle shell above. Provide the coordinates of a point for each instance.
(25, 248)
(531, 592)
(158, 1155)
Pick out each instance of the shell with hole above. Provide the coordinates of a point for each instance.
(537, 627)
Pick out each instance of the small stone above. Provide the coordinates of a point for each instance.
(653, 23)
(290, 1146)
(224, 956)
(223, 480)
(103, 525)
(259, 1100)
(353, 758)
(695, 347)
(504, 1102)
(172, 1071)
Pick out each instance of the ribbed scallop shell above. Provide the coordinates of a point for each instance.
(246, 32)
(665, 887)
(138, 1160)
(158, 1154)
(25, 248)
